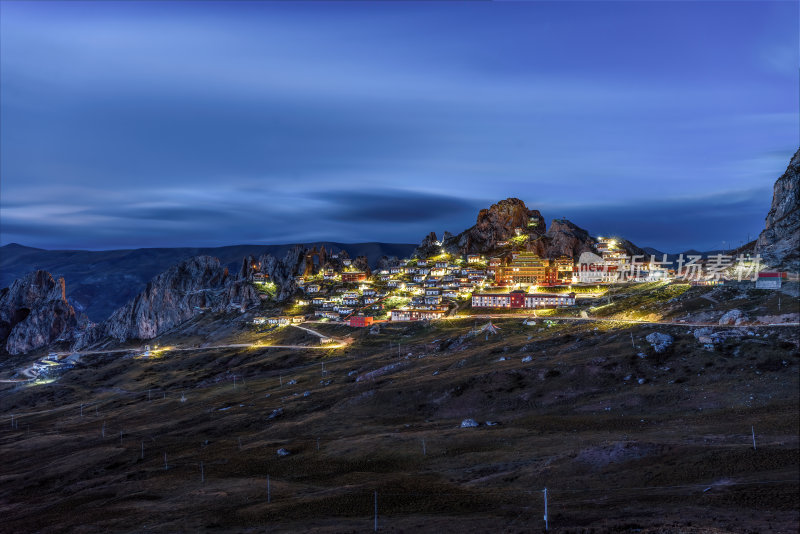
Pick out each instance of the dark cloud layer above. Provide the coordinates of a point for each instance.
(393, 206)
(207, 123)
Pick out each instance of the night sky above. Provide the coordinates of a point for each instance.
(148, 124)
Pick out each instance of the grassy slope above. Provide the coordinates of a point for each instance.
(616, 455)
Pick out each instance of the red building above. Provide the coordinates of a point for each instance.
(354, 277)
(361, 320)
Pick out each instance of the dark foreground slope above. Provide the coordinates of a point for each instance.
(99, 282)
(624, 438)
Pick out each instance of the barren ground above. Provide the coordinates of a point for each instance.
(673, 453)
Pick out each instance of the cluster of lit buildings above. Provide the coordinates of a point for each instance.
(520, 299)
(428, 287)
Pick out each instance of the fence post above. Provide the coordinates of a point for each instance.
(546, 524)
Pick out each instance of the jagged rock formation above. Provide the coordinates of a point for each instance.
(34, 312)
(429, 246)
(499, 223)
(194, 286)
(362, 264)
(174, 296)
(779, 242)
(509, 219)
(282, 273)
(565, 238)
(385, 262)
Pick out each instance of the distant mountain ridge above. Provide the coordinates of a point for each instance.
(99, 282)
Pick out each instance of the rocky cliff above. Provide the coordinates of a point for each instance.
(34, 312)
(174, 296)
(565, 238)
(197, 285)
(282, 272)
(500, 222)
(779, 242)
(510, 219)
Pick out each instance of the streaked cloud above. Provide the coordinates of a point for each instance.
(206, 123)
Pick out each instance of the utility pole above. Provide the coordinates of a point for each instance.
(753, 431)
(546, 523)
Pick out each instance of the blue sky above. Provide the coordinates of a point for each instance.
(183, 124)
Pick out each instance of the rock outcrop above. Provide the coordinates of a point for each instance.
(282, 272)
(660, 342)
(34, 312)
(500, 222)
(735, 317)
(195, 286)
(565, 238)
(174, 296)
(779, 242)
(511, 219)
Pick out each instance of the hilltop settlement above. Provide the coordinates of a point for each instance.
(509, 260)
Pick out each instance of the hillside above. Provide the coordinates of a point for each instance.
(99, 282)
(624, 436)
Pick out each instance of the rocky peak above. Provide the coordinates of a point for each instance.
(508, 219)
(779, 242)
(501, 220)
(192, 287)
(34, 312)
(565, 238)
(495, 224)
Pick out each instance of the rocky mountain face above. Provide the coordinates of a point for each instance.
(498, 223)
(281, 272)
(174, 296)
(565, 238)
(779, 242)
(34, 312)
(509, 219)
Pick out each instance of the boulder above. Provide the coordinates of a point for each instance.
(732, 317)
(659, 341)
